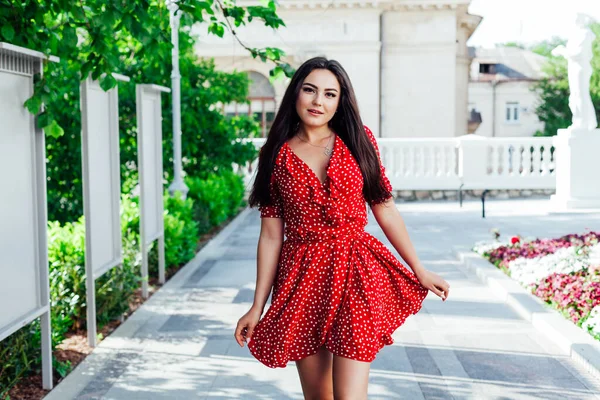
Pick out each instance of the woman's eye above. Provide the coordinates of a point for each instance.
(311, 90)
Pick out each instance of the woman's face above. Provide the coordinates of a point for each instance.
(318, 98)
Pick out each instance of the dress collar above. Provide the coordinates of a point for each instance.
(300, 170)
(320, 193)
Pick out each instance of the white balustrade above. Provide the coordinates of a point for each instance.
(420, 164)
(472, 161)
(507, 163)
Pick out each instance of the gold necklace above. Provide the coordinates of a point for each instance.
(328, 150)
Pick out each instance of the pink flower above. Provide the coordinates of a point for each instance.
(515, 240)
(577, 294)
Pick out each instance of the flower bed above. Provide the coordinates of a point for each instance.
(564, 272)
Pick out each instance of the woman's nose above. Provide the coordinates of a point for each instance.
(317, 99)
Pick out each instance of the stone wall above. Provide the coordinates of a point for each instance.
(414, 195)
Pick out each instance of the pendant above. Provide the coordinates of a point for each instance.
(327, 151)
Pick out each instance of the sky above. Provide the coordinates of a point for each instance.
(526, 21)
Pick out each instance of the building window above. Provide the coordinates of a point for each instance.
(262, 102)
(487, 68)
(512, 112)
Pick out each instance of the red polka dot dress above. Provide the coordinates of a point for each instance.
(336, 285)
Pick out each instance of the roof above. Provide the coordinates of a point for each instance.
(511, 63)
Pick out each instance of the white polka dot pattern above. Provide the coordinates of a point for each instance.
(336, 286)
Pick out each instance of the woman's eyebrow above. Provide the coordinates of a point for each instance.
(315, 86)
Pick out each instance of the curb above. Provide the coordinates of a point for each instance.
(579, 345)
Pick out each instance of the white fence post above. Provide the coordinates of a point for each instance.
(101, 187)
(150, 171)
(23, 215)
(473, 161)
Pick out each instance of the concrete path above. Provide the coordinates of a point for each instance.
(179, 345)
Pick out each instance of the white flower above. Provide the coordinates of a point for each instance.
(594, 255)
(483, 247)
(593, 321)
(530, 271)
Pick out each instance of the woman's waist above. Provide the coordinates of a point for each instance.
(326, 233)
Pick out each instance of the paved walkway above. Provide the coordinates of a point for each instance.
(179, 345)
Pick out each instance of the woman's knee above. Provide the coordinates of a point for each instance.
(350, 379)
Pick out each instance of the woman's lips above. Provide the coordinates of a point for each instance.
(314, 112)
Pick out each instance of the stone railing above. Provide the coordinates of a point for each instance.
(467, 162)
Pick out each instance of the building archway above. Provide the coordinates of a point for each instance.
(261, 96)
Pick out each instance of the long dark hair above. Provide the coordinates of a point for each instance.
(346, 123)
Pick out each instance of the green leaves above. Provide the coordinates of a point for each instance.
(33, 104)
(54, 130)
(216, 28)
(8, 33)
(282, 70)
(108, 82)
(69, 36)
(266, 14)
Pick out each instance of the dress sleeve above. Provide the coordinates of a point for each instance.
(386, 182)
(275, 210)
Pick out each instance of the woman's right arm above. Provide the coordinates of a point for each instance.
(269, 249)
(270, 242)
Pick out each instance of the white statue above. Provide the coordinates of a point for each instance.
(578, 53)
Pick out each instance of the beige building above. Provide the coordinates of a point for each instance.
(500, 90)
(408, 59)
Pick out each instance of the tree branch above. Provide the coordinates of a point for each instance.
(251, 50)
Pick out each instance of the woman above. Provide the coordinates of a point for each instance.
(338, 293)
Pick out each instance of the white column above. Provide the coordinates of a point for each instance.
(178, 185)
(418, 72)
(472, 161)
(577, 179)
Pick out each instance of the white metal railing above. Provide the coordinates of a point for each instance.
(470, 162)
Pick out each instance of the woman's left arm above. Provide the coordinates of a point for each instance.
(391, 222)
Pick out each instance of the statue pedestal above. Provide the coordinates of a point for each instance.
(577, 169)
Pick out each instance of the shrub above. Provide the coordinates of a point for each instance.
(236, 190)
(216, 198)
(181, 234)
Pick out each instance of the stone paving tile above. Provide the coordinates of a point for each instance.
(200, 273)
(106, 377)
(471, 347)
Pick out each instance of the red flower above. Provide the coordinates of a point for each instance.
(515, 239)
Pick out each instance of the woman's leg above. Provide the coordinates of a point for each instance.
(316, 375)
(350, 378)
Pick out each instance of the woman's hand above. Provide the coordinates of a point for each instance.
(435, 283)
(246, 325)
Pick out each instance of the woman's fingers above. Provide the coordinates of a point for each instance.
(239, 337)
(437, 291)
(444, 290)
(250, 331)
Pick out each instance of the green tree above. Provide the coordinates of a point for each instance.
(545, 47)
(133, 38)
(83, 32)
(553, 90)
(511, 44)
